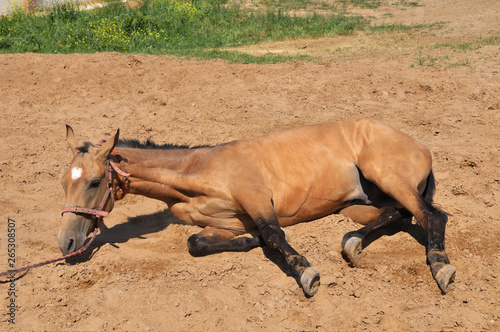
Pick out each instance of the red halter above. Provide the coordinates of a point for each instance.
(99, 212)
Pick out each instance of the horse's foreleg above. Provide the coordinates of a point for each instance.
(213, 240)
(258, 204)
(276, 239)
(375, 218)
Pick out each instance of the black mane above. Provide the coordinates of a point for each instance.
(149, 144)
(84, 148)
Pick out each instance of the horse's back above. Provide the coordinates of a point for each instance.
(312, 150)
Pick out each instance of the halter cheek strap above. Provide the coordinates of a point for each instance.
(99, 212)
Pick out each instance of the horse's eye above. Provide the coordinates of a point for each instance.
(95, 184)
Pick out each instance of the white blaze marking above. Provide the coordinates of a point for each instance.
(76, 172)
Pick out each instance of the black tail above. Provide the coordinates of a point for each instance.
(429, 192)
(430, 188)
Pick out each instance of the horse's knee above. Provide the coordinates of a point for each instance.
(272, 235)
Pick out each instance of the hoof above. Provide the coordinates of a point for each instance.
(445, 276)
(309, 280)
(352, 248)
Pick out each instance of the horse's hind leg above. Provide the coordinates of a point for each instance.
(432, 220)
(435, 224)
(213, 240)
(375, 218)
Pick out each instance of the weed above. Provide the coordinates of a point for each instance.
(372, 4)
(406, 3)
(385, 28)
(424, 61)
(469, 46)
(438, 61)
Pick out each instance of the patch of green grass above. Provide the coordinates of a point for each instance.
(438, 61)
(296, 4)
(424, 61)
(202, 29)
(372, 4)
(450, 60)
(406, 3)
(469, 46)
(398, 27)
(243, 58)
(187, 27)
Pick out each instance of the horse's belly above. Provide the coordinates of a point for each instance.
(330, 193)
(309, 211)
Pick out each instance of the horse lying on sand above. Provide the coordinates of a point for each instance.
(362, 168)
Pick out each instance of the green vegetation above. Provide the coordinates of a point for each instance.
(197, 28)
(385, 28)
(406, 3)
(204, 29)
(294, 4)
(439, 61)
(469, 46)
(456, 57)
(363, 3)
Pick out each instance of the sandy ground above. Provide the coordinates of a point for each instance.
(140, 275)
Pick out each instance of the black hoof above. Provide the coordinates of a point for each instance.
(310, 281)
(352, 247)
(445, 276)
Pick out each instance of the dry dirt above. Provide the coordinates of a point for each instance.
(140, 275)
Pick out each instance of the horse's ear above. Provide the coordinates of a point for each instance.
(70, 138)
(108, 146)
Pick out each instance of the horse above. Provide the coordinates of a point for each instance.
(361, 168)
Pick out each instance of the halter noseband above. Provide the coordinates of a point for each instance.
(99, 212)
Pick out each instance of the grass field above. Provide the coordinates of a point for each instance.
(199, 28)
(204, 29)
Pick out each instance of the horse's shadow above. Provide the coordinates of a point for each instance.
(404, 225)
(135, 227)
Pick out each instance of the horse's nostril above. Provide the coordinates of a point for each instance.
(70, 245)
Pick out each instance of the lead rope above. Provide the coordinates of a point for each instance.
(99, 213)
(28, 267)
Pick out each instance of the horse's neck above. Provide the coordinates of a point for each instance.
(161, 174)
(175, 160)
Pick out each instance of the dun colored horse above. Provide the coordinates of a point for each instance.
(362, 168)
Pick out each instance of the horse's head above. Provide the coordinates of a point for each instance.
(87, 188)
